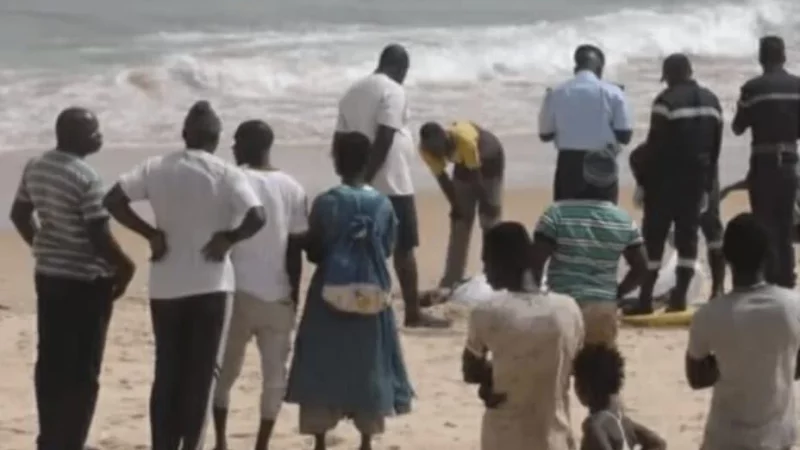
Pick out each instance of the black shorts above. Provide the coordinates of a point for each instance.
(407, 228)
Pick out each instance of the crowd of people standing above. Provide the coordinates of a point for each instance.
(227, 242)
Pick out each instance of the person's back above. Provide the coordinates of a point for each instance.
(769, 104)
(590, 238)
(261, 260)
(754, 335)
(361, 104)
(60, 186)
(203, 186)
(532, 339)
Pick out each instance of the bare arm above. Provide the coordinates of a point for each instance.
(119, 206)
(253, 221)
(542, 249)
(637, 263)
(106, 245)
(742, 120)
(23, 219)
(646, 437)
(384, 138)
(738, 186)
(294, 264)
(701, 373)
(446, 185)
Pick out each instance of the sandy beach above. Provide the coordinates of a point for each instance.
(447, 413)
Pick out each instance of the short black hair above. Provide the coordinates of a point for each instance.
(350, 153)
(585, 52)
(746, 243)
(393, 55)
(202, 125)
(771, 50)
(507, 244)
(430, 130)
(255, 132)
(70, 123)
(600, 368)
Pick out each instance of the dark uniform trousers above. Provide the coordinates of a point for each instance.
(772, 186)
(569, 182)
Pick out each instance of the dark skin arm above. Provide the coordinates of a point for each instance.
(797, 368)
(446, 185)
(623, 136)
(24, 222)
(742, 120)
(294, 264)
(109, 249)
(541, 251)
(384, 137)
(701, 373)
(635, 257)
(119, 205)
(646, 437)
(479, 371)
(547, 137)
(738, 186)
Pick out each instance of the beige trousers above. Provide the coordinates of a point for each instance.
(271, 324)
(601, 322)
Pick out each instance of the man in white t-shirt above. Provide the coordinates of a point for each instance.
(202, 207)
(745, 345)
(376, 106)
(268, 268)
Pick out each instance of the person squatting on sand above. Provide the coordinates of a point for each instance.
(79, 271)
(683, 147)
(769, 105)
(376, 106)
(476, 184)
(347, 360)
(744, 345)
(599, 372)
(583, 239)
(532, 338)
(268, 267)
(203, 206)
(581, 116)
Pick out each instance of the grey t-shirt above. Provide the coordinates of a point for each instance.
(755, 336)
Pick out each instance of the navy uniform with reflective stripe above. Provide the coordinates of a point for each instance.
(769, 105)
(683, 149)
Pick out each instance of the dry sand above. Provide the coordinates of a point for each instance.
(446, 415)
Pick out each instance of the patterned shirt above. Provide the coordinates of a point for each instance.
(66, 194)
(590, 237)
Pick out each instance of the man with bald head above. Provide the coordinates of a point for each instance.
(376, 107)
(80, 270)
(585, 114)
(203, 206)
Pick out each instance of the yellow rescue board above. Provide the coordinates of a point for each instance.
(661, 319)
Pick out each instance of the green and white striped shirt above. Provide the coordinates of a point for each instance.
(66, 194)
(590, 237)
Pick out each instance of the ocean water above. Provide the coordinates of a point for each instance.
(141, 63)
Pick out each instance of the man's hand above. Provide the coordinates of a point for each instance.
(158, 246)
(218, 247)
(122, 278)
(490, 398)
(489, 210)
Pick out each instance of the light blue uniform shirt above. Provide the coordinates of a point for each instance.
(584, 112)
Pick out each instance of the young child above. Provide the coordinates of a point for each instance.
(599, 373)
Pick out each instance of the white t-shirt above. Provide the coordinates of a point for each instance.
(193, 194)
(754, 335)
(260, 262)
(378, 100)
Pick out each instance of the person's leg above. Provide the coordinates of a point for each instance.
(239, 334)
(368, 425)
(656, 221)
(460, 235)
(168, 332)
(317, 421)
(601, 322)
(711, 225)
(568, 181)
(53, 315)
(274, 343)
(687, 225)
(92, 307)
(762, 191)
(405, 263)
(785, 197)
(208, 328)
(494, 192)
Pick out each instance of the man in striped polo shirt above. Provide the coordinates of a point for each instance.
(80, 270)
(584, 239)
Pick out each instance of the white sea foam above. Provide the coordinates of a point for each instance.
(292, 78)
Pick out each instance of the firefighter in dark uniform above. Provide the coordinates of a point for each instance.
(710, 220)
(769, 105)
(683, 147)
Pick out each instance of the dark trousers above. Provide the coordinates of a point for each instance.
(189, 334)
(663, 207)
(772, 188)
(569, 182)
(72, 321)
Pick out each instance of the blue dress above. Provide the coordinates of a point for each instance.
(347, 362)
